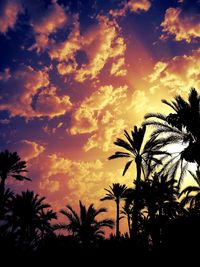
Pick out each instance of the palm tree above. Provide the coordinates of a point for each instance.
(5, 203)
(11, 166)
(116, 192)
(30, 218)
(127, 209)
(182, 126)
(144, 159)
(85, 227)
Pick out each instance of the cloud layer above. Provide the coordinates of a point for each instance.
(183, 22)
(27, 92)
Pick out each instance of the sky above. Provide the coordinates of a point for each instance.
(74, 74)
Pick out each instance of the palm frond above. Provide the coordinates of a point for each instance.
(127, 167)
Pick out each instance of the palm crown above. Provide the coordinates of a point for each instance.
(11, 166)
(85, 227)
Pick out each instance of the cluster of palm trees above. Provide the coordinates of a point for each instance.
(26, 219)
(153, 204)
(156, 198)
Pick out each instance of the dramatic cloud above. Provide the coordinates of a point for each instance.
(86, 55)
(27, 93)
(177, 75)
(9, 11)
(135, 6)
(182, 23)
(100, 114)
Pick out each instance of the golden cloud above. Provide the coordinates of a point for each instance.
(49, 21)
(73, 179)
(92, 110)
(117, 69)
(28, 83)
(65, 181)
(100, 114)
(99, 44)
(177, 75)
(65, 51)
(8, 14)
(139, 5)
(51, 105)
(103, 139)
(135, 6)
(181, 24)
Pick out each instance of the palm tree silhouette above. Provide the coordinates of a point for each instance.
(11, 166)
(29, 219)
(85, 227)
(144, 158)
(6, 199)
(116, 192)
(181, 126)
(127, 209)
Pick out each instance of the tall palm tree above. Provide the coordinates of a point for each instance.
(144, 156)
(84, 226)
(30, 218)
(116, 192)
(11, 166)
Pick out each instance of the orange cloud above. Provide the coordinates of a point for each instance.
(181, 24)
(8, 14)
(29, 83)
(65, 51)
(101, 115)
(117, 69)
(139, 5)
(135, 6)
(105, 135)
(93, 109)
(73, 179)
(51, 105)
(177, 75)
(44, 24)
(99, 44)
(27, 149)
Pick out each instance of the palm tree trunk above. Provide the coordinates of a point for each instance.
(138, 162)
(129, 224)
(117, 219)
(2, 185)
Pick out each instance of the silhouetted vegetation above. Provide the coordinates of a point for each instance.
(162, 218)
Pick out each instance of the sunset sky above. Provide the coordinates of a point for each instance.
(74, 74)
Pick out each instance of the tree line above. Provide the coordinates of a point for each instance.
(161, 216)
